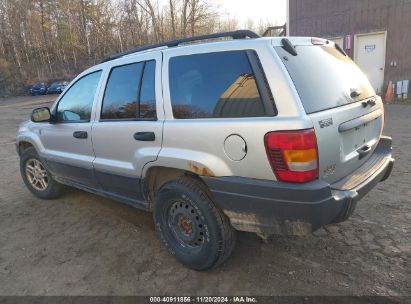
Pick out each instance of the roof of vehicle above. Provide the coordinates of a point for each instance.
(240, 34)
(235, 35)
(239, 37)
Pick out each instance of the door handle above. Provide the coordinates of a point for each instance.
(363, 151)
(145, 136)
(370, 102)
(80, 134)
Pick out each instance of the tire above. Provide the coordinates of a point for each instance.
(191, 226)
(53, 189)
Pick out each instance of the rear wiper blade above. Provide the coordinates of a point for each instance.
(337, 46)
(289, 47)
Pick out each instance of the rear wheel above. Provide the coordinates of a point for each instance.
(36, 177)
(194, 230)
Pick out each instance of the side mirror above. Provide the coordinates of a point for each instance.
(41, 115)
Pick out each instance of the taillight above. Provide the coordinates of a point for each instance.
(293, 155)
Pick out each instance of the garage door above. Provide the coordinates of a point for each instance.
(370, 56)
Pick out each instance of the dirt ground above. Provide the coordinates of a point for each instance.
(82, 244)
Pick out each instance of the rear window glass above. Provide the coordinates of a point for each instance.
(325, 78)
(214, 85)
(120, 97)
(130, 92)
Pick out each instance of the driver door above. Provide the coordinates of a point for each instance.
(68, 149)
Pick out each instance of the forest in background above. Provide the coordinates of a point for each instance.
(46, 40)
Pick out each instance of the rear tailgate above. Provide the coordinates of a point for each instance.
(346, 113)
(346, 138)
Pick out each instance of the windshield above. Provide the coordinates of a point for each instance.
(325, 78)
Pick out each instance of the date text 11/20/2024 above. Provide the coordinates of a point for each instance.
(235, 299)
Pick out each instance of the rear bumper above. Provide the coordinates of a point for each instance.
(270, 207)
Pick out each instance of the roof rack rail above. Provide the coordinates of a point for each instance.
(241, 34)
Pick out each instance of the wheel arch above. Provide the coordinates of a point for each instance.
(156, 176)
(24, 145)
(26, 139)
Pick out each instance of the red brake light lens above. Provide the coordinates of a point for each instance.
(293, 155)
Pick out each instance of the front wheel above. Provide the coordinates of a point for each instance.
(192, 227)
(36, 176)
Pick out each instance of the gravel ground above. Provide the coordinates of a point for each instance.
(82, 244)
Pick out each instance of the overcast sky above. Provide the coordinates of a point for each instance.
(273, 11)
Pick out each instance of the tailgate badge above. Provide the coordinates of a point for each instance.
(330, 170)
(326, 122)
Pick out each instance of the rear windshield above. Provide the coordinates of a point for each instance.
(325, 78)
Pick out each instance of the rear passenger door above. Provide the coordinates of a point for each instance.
(127, 133)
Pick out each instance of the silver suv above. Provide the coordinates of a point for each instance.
(265, 135)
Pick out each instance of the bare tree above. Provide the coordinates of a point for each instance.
(56, 39)
(173, 17)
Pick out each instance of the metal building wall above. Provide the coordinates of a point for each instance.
(334, 18)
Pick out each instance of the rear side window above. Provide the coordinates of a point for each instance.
(325, 78)
(148, 93)
(130, 92)
(214, 85)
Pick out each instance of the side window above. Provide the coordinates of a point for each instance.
(214, 85)
(120, 97)
(148, 93)
(130, 92)
(77, 102)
